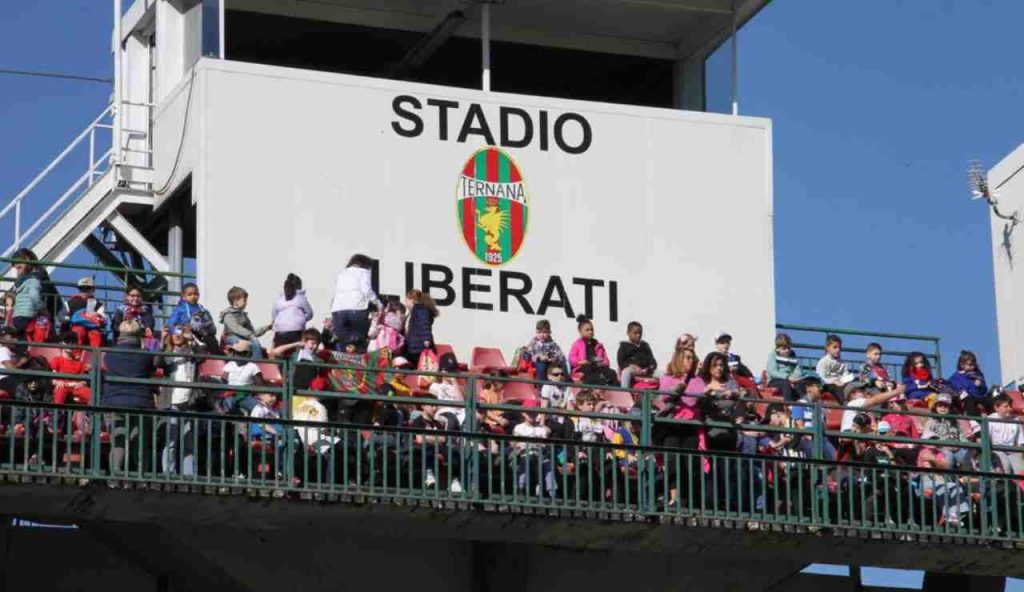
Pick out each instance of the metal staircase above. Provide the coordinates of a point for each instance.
(118, 179)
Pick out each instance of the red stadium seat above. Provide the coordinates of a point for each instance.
(45, 352)
(211, 368)
(489, 359)
(518, 391)
(621, 399)
(444, 348)
(271, 373)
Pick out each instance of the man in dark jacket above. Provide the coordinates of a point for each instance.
(635, 357)
(129, 361)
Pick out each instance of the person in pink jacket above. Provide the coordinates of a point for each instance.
(588, 357)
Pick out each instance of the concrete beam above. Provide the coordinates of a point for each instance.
(302, 519)
(946, 582)
(173, 562)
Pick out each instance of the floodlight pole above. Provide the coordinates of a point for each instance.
(735, 63)
(485, 44)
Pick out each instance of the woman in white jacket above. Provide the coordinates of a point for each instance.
(291, 312)
(353, 294)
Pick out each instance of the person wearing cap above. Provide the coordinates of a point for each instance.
(946, 429)
(861, 398)
(903, 425)
(686, 341)
(88, 320)
(808, 412)
(723, 344)
(180, 366)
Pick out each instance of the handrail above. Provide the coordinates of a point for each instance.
(104, 268)
(60, 157)
(856, 332)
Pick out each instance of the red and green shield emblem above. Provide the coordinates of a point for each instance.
(492, 205)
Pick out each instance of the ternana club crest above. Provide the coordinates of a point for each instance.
(492, 205)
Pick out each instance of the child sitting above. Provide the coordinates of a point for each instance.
(386, 329)
(530, 454)
(190, 312)
(969, 382)
(306, 353)
(240, 373)
(133, 309)
(917, 377)
(589, 358)
(555, 395)
(542, 352)
(834, 373)
(635, 357)
(589, 429)
(87, 317)
(33, 389)
(70, 362)
(446, 388)
(491, 395)
(873, 375)
(783, 368)
(265, 408)
(237, 326)
(723, 344)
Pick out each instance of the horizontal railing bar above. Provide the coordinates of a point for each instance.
(115, 270)
(855, 332)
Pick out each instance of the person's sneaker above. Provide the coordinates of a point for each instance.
(455, 487)
(430, 480)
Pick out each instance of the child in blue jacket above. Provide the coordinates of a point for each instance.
(189, 312)
(969, 382)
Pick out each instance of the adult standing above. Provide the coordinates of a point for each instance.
(127, 360)
(353, 294)
(291, 312)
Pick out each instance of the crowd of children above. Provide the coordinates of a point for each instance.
(707, 399)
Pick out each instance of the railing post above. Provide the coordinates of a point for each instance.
(96, 421)
(470, 485)
(647, 473)
(289, 434)
(987, 491)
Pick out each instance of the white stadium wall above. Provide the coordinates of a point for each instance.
(654, 215)
(1006, 181)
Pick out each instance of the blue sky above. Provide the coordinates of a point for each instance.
(877, 105)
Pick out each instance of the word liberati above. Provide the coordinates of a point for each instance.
(510, 291)
(571, 132)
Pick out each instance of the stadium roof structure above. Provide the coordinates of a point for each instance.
(664, 29)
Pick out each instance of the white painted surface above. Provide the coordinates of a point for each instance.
(1006, 179)
(296, 170)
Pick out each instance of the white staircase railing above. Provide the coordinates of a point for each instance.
(98, 138)
(98, 165)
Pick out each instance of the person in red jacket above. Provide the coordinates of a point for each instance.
(70, 362)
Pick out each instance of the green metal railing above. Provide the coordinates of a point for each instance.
(111, 283)
(638, 479)
(809, 345)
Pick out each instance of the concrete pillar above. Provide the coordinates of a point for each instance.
(175, 251)
(944, 582)
(688, 87)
